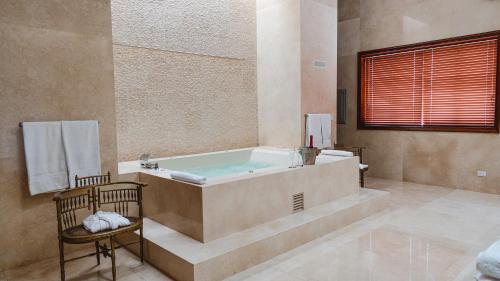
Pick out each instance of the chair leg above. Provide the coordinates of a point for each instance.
(141, 245)
(61, 259)
(98, 256)
(113, 265)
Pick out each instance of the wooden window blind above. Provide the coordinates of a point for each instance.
(448, 85)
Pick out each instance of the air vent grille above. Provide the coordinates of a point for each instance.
(341, 106)
(298, 202)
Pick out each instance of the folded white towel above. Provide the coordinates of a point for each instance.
(81, 144)
(188, 177)
(332, 152)
(93, 224)
(104, 220)
(363, 166)
(488, 262)
(45, 158)
(115, 220)
(326, 158)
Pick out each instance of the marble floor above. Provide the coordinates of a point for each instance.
(428, 233)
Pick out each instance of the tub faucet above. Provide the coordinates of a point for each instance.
(145, 158)
(145, 162)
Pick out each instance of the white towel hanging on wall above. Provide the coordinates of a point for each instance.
(57, 151)
(81, 145)
(45, 157)
(326, 130)
(319, 125)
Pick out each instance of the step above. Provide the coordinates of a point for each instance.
(184, 258)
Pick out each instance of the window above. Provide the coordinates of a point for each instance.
(445, 85)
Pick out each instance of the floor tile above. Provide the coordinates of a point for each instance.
(382, 254)
(128, 268)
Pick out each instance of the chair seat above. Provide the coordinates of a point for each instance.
(78, 234)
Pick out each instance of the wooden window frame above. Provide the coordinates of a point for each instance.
(411, 47)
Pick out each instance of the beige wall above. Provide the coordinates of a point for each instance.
(278, 72)
(185, 76)
(55, 63)
(319, 44)
(447, 159)
(291, 35)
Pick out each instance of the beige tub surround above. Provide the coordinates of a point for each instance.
(239, 218)
(232, 203)
(297, 67)
(184, 258)
(436, 158)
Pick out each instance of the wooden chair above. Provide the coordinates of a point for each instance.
(75, 204)
(92, 180)
(357, 151)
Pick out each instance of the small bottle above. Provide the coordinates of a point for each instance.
(293, 158)
(299, 162)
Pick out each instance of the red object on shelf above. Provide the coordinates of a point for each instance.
(311, 141)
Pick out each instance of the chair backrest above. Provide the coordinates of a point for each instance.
(74, 204)
(119, 198)
(92, 180)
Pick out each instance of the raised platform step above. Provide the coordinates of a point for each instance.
(184, 258)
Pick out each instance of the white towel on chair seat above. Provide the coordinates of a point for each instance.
(93, 224)
(101, 221)
(488, 262)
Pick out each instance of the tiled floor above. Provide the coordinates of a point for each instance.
(429, 233)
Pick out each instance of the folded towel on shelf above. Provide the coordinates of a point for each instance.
(101, 221)
(81, 145)
(488, 262)
(188, 177)
(45, 157)
(332, 152)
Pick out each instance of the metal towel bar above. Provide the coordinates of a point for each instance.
(21, 124)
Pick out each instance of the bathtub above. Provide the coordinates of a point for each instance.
(229, 164)
(244, 188)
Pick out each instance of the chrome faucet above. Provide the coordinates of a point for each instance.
(145, 157)
(145, 162)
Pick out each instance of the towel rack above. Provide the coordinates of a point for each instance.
(21, 124)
